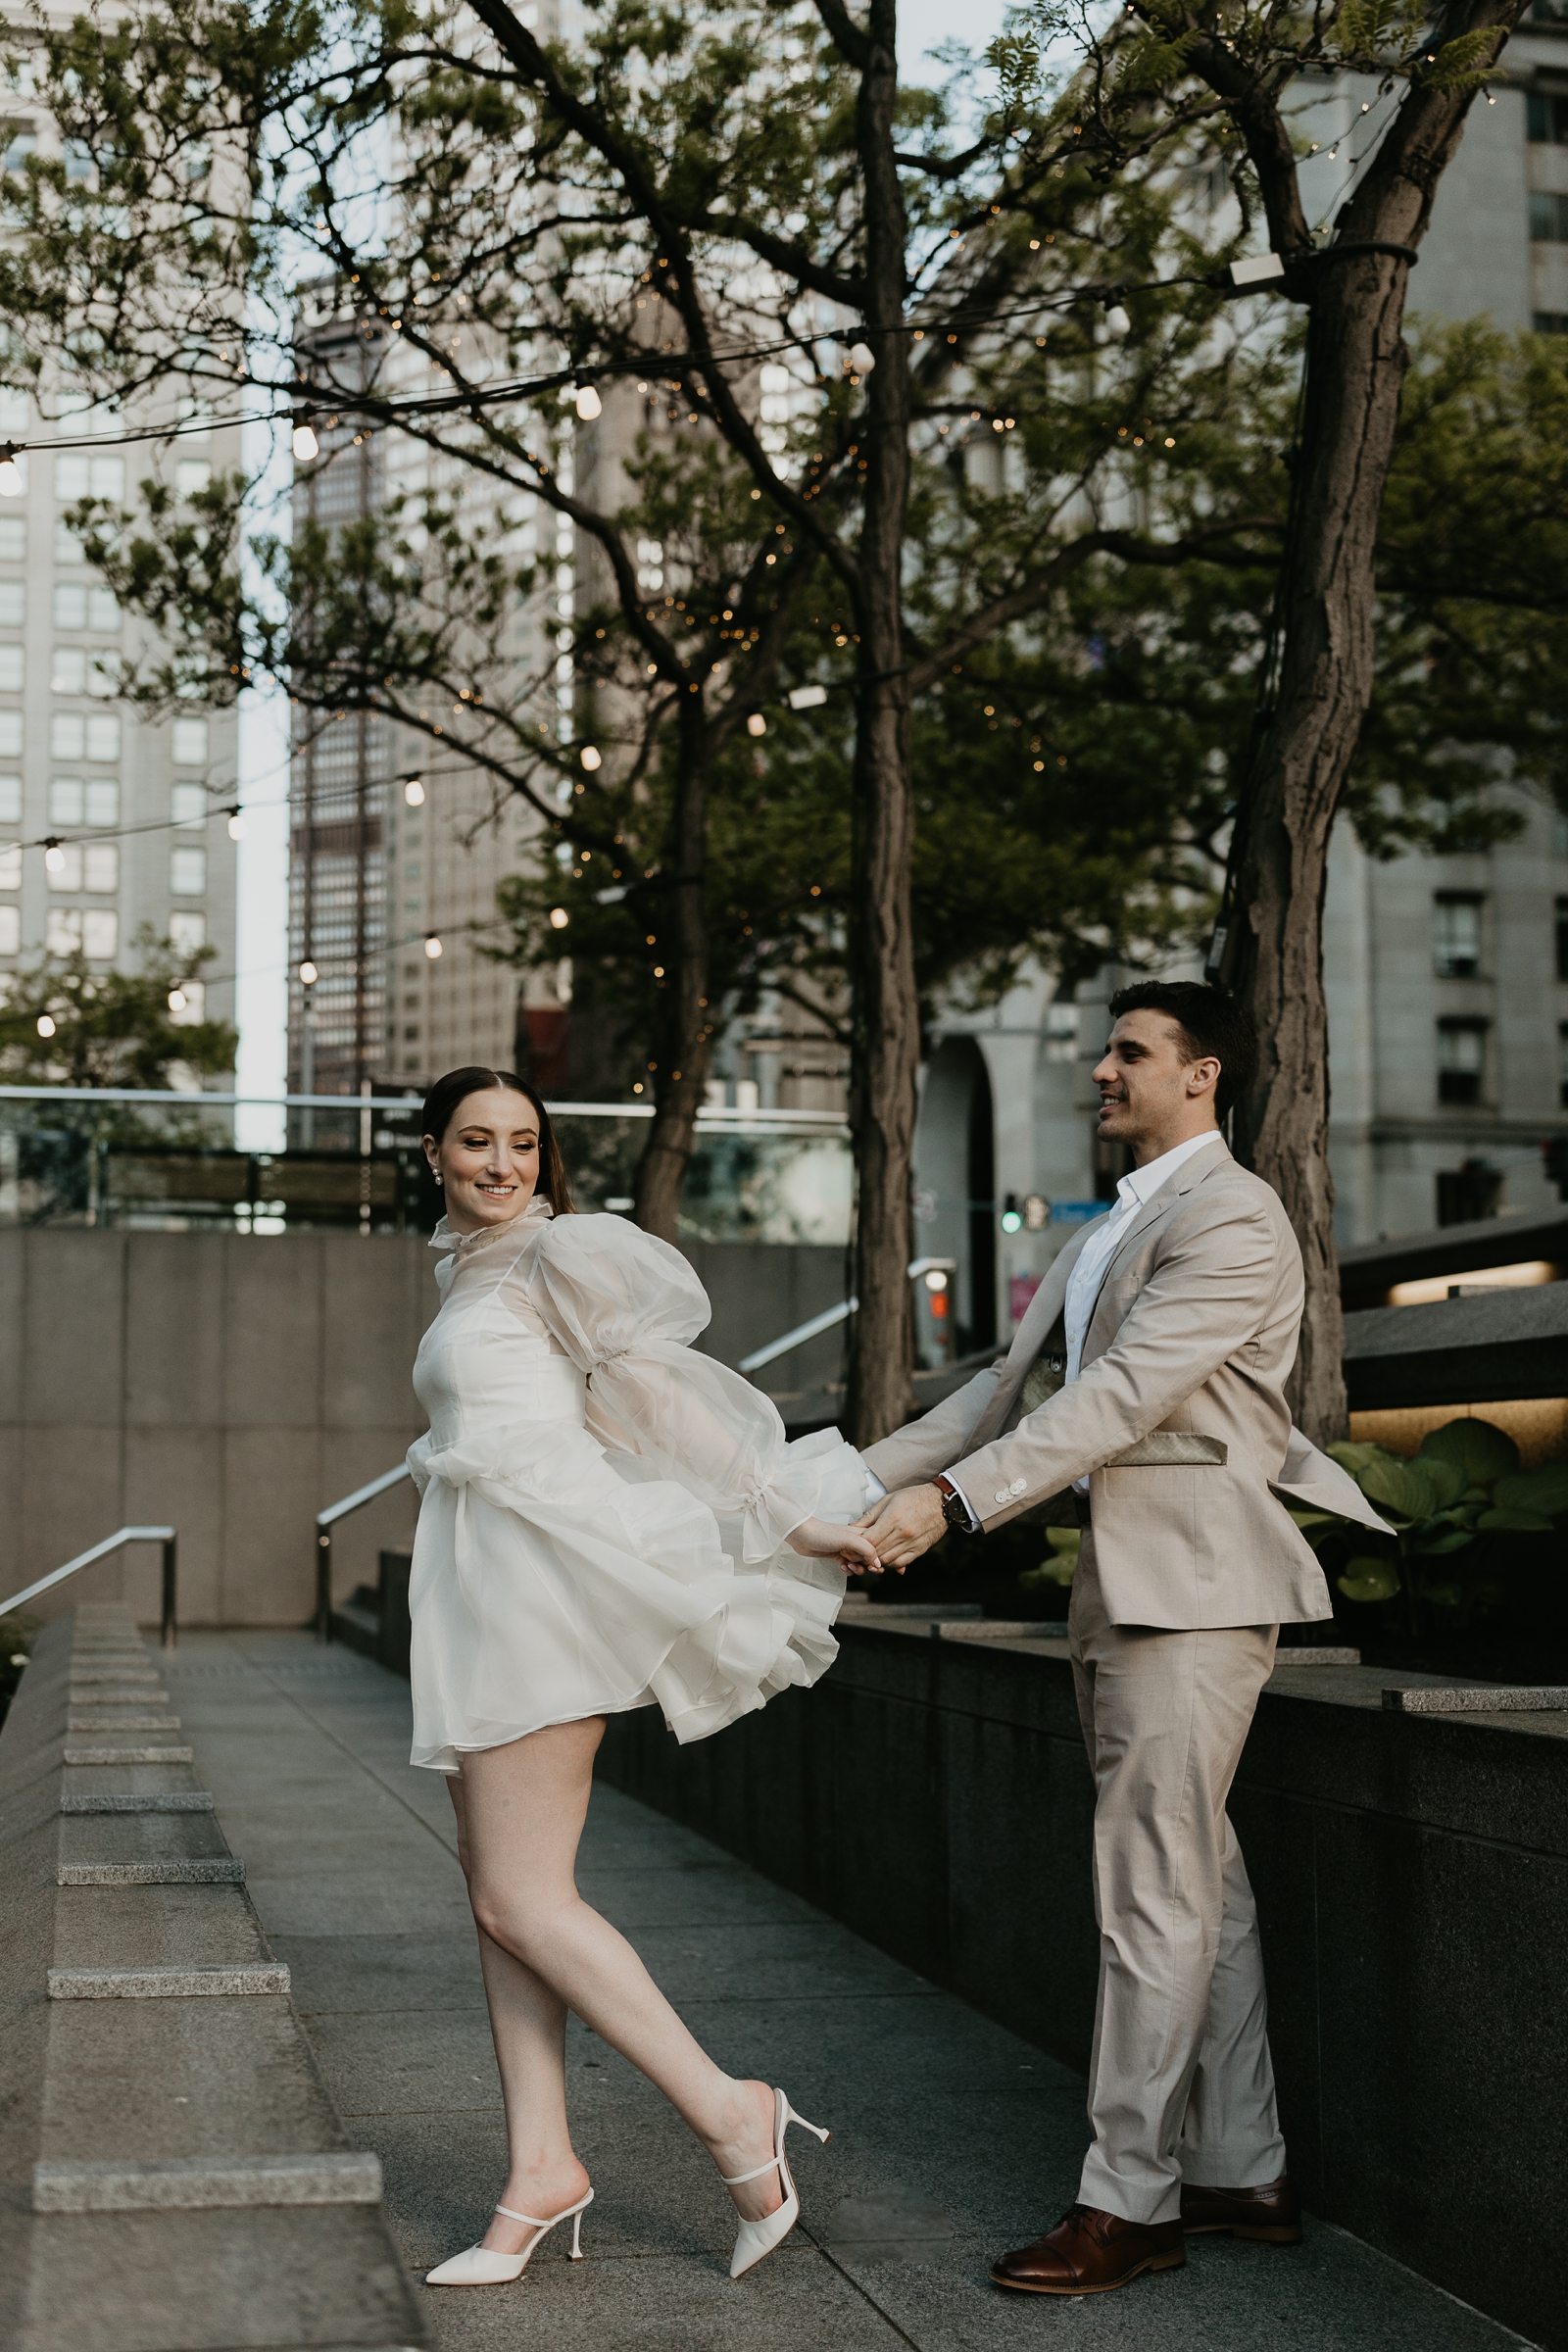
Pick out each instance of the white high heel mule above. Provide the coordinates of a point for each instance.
(477, 2266)
(753, 2239)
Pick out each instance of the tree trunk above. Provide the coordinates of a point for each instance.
(887, 1026)
(684, 1034)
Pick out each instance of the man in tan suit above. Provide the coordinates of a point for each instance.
(1144, 1398)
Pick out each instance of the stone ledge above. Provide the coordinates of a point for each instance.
(165, 1800)
(79, 1719)
(1490, 1698)
(130, 1755)
(169, 1870)
(132, 1697)
(166, 1984)
(196, 2184)
(87, 1675)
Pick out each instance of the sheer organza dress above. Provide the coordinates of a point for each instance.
(604, 1511)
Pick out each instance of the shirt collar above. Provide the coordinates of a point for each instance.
(1144, 1183)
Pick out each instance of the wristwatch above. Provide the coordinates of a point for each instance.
(955, 1510)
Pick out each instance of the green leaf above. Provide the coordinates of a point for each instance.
(1481, 1451)
(1453, 1539)
(1369, 1580)
(1306, 1519)
(1447, 1478)
(1454, 66)
(1521, 1523)
(1543, 1489)
(1354, 1457)
(1398, 1486)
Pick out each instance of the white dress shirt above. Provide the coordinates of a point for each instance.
(1083, 1282)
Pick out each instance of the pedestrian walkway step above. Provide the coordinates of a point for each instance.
(194, 2183)
(167, 1801)
(163, 1869)
(137, 1697)
(130, 1755)
(166, 1984)
(82, 1719)
(86, 1675)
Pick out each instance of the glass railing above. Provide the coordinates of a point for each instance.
(169, 1163)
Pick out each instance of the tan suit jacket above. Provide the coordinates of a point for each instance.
(1193, 1330)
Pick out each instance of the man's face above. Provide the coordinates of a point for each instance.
(1145, 1082)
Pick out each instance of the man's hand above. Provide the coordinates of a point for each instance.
(905, 1524)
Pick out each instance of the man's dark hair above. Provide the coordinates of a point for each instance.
(1209, 1020)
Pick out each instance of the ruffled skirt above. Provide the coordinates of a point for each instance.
(594, 1586)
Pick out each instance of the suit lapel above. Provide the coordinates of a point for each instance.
(1192, 1172)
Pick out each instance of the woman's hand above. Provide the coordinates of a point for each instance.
(821, 1540)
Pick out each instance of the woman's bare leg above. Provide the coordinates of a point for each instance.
(521, 1808)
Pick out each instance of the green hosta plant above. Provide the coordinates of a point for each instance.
(1463, 1483)
(1060, 1563)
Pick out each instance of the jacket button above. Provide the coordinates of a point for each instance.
(1003, 1495)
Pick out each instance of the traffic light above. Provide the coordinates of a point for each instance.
(1012, 1214)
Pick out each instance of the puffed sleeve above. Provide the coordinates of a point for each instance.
(625, 1308)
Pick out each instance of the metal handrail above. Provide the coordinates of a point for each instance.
(325, 1521)
(831, 1315)
(167, 1536)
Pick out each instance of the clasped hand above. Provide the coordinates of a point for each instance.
(822, 1540)
(905, 1524)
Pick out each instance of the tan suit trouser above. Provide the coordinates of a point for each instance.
(1181, 2085)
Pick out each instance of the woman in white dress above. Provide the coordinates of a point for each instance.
(609, 1520)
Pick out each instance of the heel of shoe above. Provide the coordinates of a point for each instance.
(790, 2117)
(576, 2235)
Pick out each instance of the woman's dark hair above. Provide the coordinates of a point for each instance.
(1210, 1021)
(447, 1095)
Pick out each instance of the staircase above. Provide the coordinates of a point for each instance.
(175, 2176)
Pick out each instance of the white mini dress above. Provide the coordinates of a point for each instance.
(604, 1511)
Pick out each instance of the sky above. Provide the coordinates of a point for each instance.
(262, 990)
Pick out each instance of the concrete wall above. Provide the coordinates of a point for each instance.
(232, 1386)
(227, 1384)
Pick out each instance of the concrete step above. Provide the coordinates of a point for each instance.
(174, 2176)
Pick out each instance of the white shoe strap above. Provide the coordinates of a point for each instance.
(734, 2179)
(532, 2221)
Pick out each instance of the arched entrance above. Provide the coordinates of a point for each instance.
(955, 1172)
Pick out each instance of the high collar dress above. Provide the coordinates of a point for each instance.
(602, 1510)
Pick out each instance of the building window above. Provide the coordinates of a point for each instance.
(1462, 1060)
(10, 931)
(77, 474)
(189, 742)
(9, 865)
(10, 669)
(10, 800)
(187, 932)
(1546, 119)
(67, 876)
(192, 476)
(188, 805)
(1468, 1193)
(10, 734)
(100, 866)
(187, 873)
(63, 931)
(13, 538)
(100, 933)
(103, 738)
(13, 604)
(1549, 218)
(68, 547)
(74, 802)
(78, 607)
(1549, 323)
(1456, 934)
(68, 672)
(1061, 1032)
(194, 1008)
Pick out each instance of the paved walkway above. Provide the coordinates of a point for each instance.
(952, 2138)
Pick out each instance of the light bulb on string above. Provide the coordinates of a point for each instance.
(306, 444)
(54, 856)
(863, 359)
(10, 473)
(308, 975)
(559, 919)
(1117, 322)
(177, 1000)
(590, 757)
(414, 791)
(46, 1027)
(236, 825)
(756, 724)
(432, 946)
(589, 403)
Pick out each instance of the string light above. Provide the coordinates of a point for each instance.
(236, 825)
(756, 724)
(10, 473)
(590, 757)
(46, 1027)
(177, 1000)
(432, 946)
(54, 856)
(589, 403)
(414, 792)
(308, 975)
(306, 444)
(559, 919)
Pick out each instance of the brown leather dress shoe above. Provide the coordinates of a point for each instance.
(1272, 2214)
(1089, 2252)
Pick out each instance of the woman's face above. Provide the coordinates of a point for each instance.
(488, 1160)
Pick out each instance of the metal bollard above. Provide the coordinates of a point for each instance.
(323, 1585)
(171, 1578)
